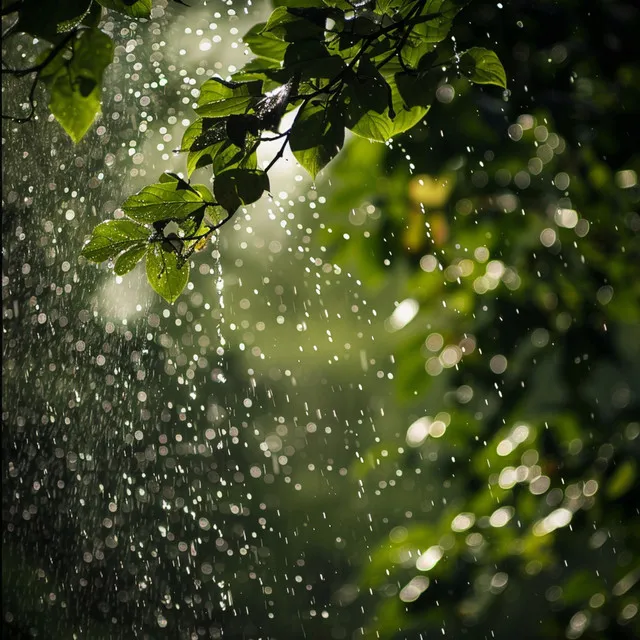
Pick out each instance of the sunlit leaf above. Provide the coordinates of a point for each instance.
(287, 26)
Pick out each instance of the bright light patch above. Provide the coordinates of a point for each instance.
(429, 558)
(403, 314)
(462, 522)
(418, 431)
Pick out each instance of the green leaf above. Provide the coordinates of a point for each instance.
(219, 98)
(111, 238)
(431, 27)
(215, 131)
(368, 88)
(265, 45)
(270, 109)
(285, 25)
(210, 137)
(75, 85)
(133, 8)
(163, 201)
(129, 259)
(317, 136)
(365, 116)
(169, 177)
(237, 187)
(230, 156)
(163, 273)
(482, 66)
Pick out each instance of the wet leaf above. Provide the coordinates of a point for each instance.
(203, 130)
(374, 107)
(162, 201)
(129, 259)
(287, 26)
(163, 273)
(111, 238)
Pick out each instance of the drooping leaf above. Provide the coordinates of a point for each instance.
(237, 187)
(129, 259)
(317, 135)
(75, 85)
(132, 8)
(163, 201)
(164, 274)
(369, 89)
(111, 238)
(482, 66)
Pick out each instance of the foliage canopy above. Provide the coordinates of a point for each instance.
(369, 67)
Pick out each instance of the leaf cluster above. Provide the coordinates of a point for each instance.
(371, 68)
(73, 65)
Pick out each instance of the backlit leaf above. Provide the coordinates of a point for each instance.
(163, 273)
(483, 66)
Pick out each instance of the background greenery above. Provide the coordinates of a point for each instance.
(417, 413)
